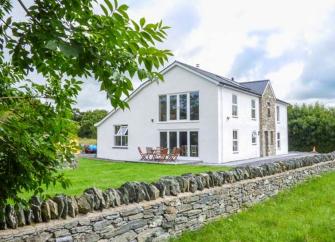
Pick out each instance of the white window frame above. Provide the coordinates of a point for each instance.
(234, 105)
(278, 141)
(235, 140)
(188, 107)
(178, 139)
(278, 113)
(121, 133)
(254, 138)
(253, 109)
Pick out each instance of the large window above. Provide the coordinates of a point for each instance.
(162, 108)
(235, 141)
(234, 111)
(278, 141)
(278, 114)
(184, 106)
(271, 137)
(253, 109)
(269, 109)
(121, 135)
(187, 141)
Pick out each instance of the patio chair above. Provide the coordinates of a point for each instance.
(174, 155)
(144, 156)
(150, 153)
(162, 155)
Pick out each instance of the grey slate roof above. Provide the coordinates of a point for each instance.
(256, 86)
(220, 79)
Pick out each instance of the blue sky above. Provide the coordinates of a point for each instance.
(292, 43)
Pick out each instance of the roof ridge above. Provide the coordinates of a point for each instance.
(266, 80)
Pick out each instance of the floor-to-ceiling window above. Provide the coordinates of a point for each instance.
(187, 141)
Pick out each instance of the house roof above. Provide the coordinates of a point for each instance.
(255, 87)
(220, 79)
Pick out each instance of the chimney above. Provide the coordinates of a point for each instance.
(197, 65)
(232, 78)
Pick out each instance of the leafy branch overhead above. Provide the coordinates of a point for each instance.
(44, 60)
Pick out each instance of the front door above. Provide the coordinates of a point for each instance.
(266, 139)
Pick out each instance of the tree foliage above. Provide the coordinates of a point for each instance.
(63, 42)
(86, 121)
(311, 125)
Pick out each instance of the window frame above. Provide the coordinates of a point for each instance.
(123, 136)
(178, 140)
(235, 140)
(253, 109)
(278, 141)
(254, 142)
(278, 114)
(178, 107)
(234, 105)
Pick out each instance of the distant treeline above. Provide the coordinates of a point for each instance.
(86, 121)
(311, 125)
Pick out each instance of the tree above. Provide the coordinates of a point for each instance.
(311, 125)
(86, 122)
(64, 42)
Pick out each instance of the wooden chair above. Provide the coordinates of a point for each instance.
(163, 154)
(174, 155)
(150, 153)
(144, 156)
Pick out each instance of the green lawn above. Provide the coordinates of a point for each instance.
(105, 174)
(305, 213)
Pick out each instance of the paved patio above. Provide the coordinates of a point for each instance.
(263, 160)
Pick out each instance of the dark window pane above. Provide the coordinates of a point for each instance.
(173, 107)
(183, 106)
(124, 140)
(194, 105)
(117, 141)
(162, 108)
(173, 140)
(183, 143)
(163, 139)
(194, 151)
(117, 129)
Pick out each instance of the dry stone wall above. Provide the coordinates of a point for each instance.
(155, 212)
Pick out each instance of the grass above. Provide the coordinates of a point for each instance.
(87, 141)
(106, 174)
(304, 213)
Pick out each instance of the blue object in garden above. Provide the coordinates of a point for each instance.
(92, 149)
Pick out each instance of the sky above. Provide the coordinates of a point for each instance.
(290, 42)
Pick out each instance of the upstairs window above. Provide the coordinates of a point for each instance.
(272, 137)
(184, 106)
(269, 109)
(235, 141)
(278, 114)
(234, 111)
(121, 135)
(278, 141)
(253, 109)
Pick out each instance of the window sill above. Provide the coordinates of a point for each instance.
(235, 152)
(253, 119)
(254, 144)
(120, 147)
(177, 121)
(234, 116)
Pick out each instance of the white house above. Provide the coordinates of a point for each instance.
(211, 118)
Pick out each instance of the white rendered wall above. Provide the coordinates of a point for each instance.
(282, 128)
(142, 118)
(243, 123)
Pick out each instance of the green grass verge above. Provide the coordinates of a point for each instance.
(106, 174)
(304, 213)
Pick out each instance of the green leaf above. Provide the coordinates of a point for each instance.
(142, 22)
(104, 9)
(110, 6)
(52, 45)
(68, 50)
